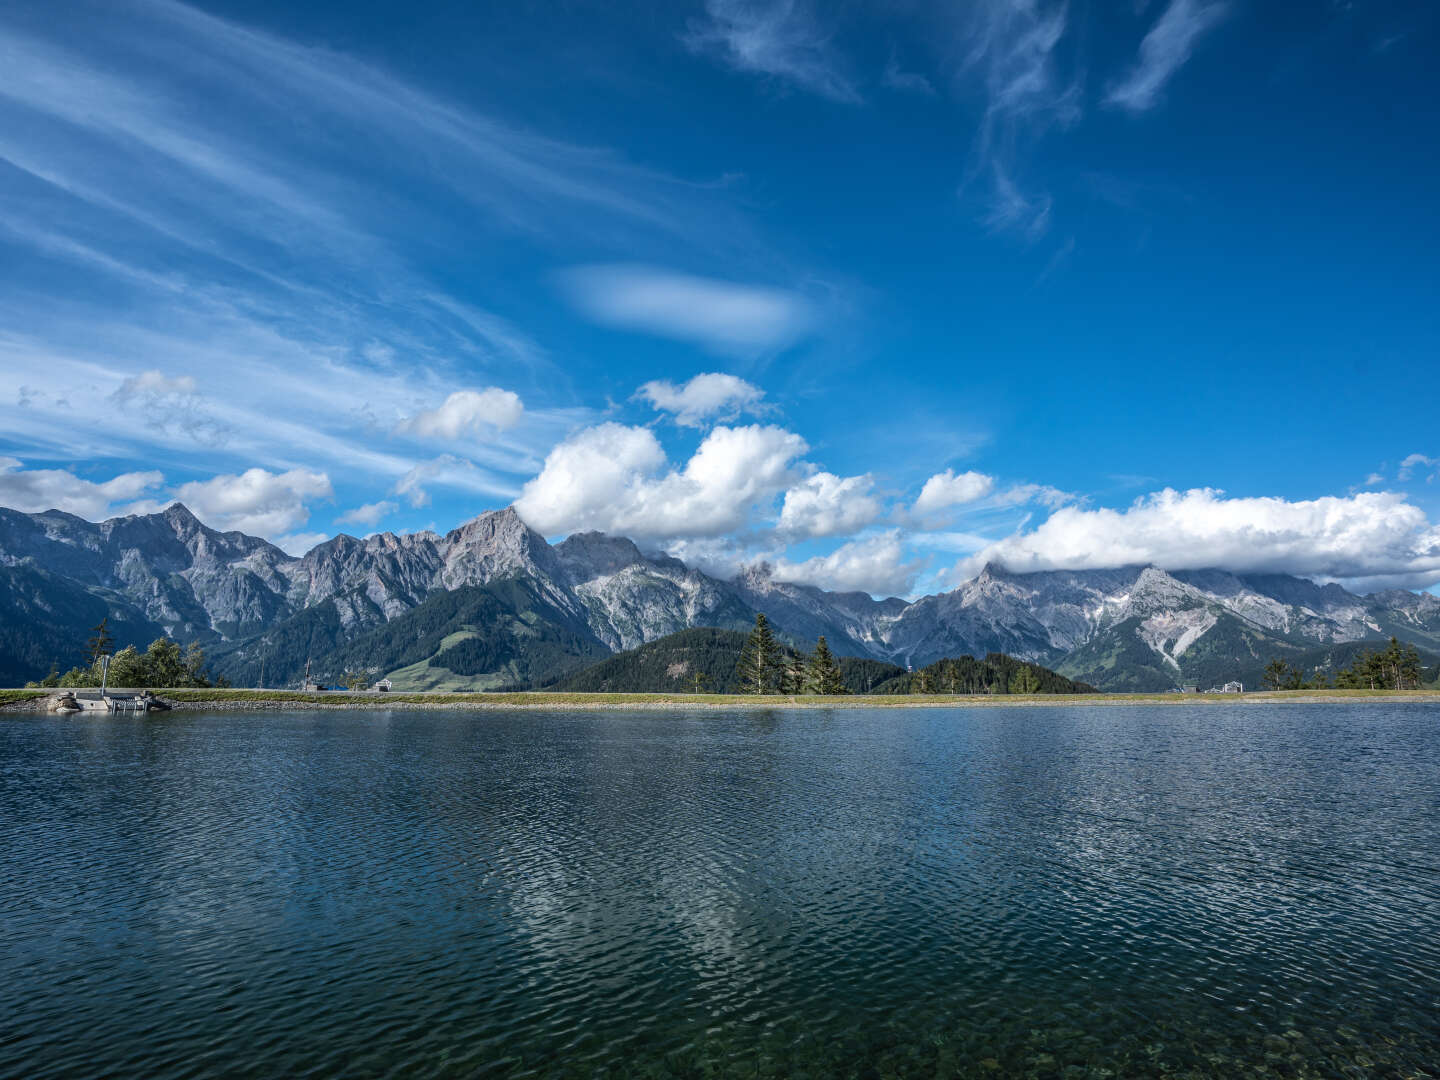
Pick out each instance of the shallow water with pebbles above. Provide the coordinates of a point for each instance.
(1037, 892)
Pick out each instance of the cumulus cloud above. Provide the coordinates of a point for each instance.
(466, 411)
(828, 505)
(256, 501)
(370, 514)
(720, 315)
(947, 489)
(617, 479)
(1162, 53)
(874, 564)
(1366, 536)
(778, 38)
(704, 397)
(36, 490)
(1416, 461)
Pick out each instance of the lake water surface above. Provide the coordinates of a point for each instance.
(1067, 892)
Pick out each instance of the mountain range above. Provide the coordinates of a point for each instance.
(492, 603)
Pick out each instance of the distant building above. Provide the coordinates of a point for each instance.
(382, 685)
(1233, 688)
(1189, 689)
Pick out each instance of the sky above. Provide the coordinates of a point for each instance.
(874, 292)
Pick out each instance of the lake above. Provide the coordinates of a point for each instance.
(1067, 892)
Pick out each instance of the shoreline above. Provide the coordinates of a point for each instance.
(37, 701)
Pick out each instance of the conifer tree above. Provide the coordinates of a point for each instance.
(1026, 681)
(822, 673)
(101, 644)
(759, 667)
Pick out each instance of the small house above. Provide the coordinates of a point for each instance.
(382, 685)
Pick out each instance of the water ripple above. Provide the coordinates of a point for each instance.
(1034, 892)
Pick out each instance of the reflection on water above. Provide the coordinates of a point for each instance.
(1069, 892)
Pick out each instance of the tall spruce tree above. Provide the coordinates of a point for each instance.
(760, 668)
(822, 673)
(101, 644)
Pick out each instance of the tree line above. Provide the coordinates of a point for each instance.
(162, 666)
(766, 666)
(1396, 667)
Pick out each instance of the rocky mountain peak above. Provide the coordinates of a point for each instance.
(496, 544)
(590, 555)
(177, 513)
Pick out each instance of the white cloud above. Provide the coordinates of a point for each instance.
(779, 38)
(1416, 461)
(1163, 51)
(618, 480)
(466, 411)
(704, 397)
(720, 315)
(256, 501)
(828, 505)
(36, 490)
(155, 383)
(874, 565)
(299, 543)
(1375, 479)
(370, 514)
(947, 489)
(1370, 535)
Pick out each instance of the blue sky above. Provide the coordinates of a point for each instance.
(1057, 285)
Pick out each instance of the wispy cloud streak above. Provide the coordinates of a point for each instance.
(1163, 52)
(778, 38)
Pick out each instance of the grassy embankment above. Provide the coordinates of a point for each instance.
(542, 699)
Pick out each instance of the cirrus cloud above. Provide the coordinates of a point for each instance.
(1163, 52)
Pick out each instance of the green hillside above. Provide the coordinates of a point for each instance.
(668, 664)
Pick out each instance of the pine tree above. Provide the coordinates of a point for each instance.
(792, 674)
(759, 667)
(1026, 681)
(101, 644)
(822, 673)
(1277, 674)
